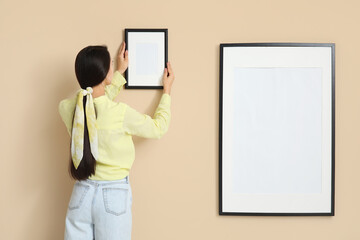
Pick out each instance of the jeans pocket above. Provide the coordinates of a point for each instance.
(116, 199)
(78, 195)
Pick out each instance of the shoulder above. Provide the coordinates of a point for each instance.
(66, 104)
(113, 103)
(109, 107)
(67, 101)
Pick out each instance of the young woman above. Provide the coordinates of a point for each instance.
(102, 150)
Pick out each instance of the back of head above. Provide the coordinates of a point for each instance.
(92, 65)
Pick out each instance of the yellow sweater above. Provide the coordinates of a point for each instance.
(116, 123)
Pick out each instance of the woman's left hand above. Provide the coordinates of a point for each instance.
(122, 59)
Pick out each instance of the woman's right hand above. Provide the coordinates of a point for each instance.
(168, 80)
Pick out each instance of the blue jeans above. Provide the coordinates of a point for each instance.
(99, 210)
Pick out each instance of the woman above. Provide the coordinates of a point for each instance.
(102, 150)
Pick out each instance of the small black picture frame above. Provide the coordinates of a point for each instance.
(148, 55)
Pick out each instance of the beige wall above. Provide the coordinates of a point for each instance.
(174, 179)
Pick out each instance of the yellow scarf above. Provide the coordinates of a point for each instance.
(77, 139)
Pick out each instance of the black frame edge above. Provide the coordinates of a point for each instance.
(280, 44)
(127, 30)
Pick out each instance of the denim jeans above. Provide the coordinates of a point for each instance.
(99, 210)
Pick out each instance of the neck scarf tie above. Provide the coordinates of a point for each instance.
(77, 138)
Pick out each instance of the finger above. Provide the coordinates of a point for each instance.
(165, 72)
(126, 54)
(123, 48)
(169, 67)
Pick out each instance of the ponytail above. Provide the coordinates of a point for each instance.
(92, 65)
(88, 163)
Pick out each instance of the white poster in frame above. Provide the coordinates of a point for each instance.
(148, 54)
(277, 129)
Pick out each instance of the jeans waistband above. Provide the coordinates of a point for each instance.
(106, 182)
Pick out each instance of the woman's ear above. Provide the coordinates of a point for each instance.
(108, 77)
(107, 81)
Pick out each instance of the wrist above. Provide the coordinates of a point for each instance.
(166, 90)
(120, 71)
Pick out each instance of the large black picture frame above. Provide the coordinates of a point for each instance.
(241, 66)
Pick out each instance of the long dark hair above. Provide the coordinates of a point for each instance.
(92, 64)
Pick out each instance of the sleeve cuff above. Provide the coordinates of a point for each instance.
(166, 98)
(118, 79)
